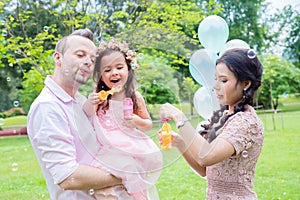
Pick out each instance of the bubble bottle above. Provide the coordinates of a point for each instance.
(127, 106)
(165, 136)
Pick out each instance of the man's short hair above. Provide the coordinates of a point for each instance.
(61, 45)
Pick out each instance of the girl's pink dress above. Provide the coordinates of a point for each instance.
(127, 153)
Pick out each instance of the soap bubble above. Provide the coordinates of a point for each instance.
(91, 192)
(16, 103)
(46, 28)
(14, 167)
(4, 33)
(245, 154)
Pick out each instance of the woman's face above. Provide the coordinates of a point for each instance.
(114, 70)
(229, 91)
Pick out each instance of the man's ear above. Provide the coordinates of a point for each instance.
(57, 57)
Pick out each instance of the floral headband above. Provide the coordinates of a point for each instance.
(122, 47)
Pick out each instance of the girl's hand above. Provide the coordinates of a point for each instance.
(131, 121)
(168, 111)
(93, 99)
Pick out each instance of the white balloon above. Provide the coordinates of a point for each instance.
(232, 44)
(203, 103)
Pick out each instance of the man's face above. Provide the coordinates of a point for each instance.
(77, 62)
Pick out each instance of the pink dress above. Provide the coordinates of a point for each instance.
(233, 178)
(127, 153)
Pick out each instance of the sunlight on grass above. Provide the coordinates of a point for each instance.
(277, 175)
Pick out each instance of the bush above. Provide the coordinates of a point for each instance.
(12, 112)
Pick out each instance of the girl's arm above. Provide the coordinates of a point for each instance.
(90, 105)
(141, 118)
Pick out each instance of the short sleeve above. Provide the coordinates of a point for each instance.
(241, 131)
(53, 140)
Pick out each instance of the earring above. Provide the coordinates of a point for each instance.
(244, 93)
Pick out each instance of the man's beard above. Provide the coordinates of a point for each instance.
(81, 79)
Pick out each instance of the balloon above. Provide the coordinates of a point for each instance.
(203, 103)
(213, 32)
(235, 43)
(202, 67)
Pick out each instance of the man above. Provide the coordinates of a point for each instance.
(61, 134)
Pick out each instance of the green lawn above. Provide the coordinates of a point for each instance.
(277, 177)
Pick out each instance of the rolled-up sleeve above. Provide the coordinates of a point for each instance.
(53, 140)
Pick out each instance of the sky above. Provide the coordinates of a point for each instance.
(281, 3)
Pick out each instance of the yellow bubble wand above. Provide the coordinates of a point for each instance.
(102, 95)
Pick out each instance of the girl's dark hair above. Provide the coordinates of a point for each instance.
(244, 64)
(131, 81)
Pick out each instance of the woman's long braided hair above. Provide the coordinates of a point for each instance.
(244, 64)
(107, 48)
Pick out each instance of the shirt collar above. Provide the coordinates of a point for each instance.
(57, 90)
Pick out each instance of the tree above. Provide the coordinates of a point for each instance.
(244, 22)
(279, 76)
(189, 88)
(291, 19)
(156, 80)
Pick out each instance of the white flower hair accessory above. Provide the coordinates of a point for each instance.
(122, 47)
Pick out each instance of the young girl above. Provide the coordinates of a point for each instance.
(125, 151)
(232, 142)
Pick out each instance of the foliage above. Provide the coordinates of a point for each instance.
(292, 47)
(33, 85)
(12, 112)
(279, 76)
(189, 88)
(244, 22)
(156, 80)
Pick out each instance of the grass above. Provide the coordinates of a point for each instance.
(277, 174)
(17, 120)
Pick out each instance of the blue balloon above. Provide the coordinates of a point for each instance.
(202, 67)
(213, 32)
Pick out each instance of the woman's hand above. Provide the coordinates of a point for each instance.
(170, 112)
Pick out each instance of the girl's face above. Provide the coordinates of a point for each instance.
(229, 91)
(114, 70)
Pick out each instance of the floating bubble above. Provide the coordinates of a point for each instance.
(16, 103)
(67, 72)
(245, 154)
(2, 22)
(188, 55)
(4, 33)
(8, 79)
(46, 28)
(91, 192)
(140, 56)
(14, 167)
(1, 121)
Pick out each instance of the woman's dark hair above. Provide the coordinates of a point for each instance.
(244, 64)
(111, 47)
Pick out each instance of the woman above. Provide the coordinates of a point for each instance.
(226, 152)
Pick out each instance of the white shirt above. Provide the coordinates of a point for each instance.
(62, 137)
